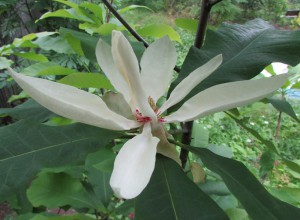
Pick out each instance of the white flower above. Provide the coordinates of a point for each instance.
(142, 85)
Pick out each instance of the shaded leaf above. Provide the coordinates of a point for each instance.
(54, 190)
(246, 50)
(27, 147)
(48, 68)
(283, 106)
(257, 201)
(4, 63)
(174, 196)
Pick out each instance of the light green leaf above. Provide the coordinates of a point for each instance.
(237, 214)
(94, 8)
(27, 147)
(130, 7)
(87, 80)
(61, 13)
(4, 63)
(246, 188)
(106, 29)
(26, 40)
(171, 195)
(54, 190)
(187, 23)
(158, 31)
(200, 135)
(47, 68)
(32, 56)
(287, 194)
(74, 43)
(21, 95)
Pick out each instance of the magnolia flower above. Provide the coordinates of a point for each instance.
(141, 86)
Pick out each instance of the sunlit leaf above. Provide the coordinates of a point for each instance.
(4, 63)
(32, 56)
(87, 80)
(130, 7)
(187, 23)
(158, 31)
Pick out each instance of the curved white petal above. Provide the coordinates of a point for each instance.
(106, 62)
(134, 165)
(157, 65)
(226, 96)
(192, 80)
(72, 103)
(128, 66)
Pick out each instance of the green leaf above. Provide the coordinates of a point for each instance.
(130, 7)
(62, 217)
(237, 214)
(57, 44)
(74, 43)
(246, 50)
(158, 31)
(200, 135)
(30, 110)
(54, 190)
(27, 147)
(88, 42)
(287, 194)
(45, 69)
(266, 163)
(94, 8)
(87, 80)
(283, 106)
(187, 23)
(26, 41)
(4, 63)
(246, 188)
(171, 195)
(99, 166)
(32, 56)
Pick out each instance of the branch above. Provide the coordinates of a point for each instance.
(199, 39)
(126, 25)
(203, 19)
(129, 28)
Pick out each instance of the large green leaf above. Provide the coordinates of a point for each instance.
(29, 110)
(171, 195)
(26, 147)
(54, 190)
(257, 201)
(87, 80)
(246, 50)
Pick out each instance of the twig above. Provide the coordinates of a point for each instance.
(129, 28)
(199, 39)
(126, 25)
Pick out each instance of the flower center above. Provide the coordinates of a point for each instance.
(143, 119)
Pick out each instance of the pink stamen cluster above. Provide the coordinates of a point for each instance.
(143, 119)
(140, 118)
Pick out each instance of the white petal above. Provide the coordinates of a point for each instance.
(128, 66)
(134, 165)
(72, 103)
(226, 96)
(192, 80)
(157, 65)
(105, 60)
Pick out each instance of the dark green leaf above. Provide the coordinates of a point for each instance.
(283, 106)
(257, 201)
(54, 190)
(27, 147)
(246, 50)
(30, 110)
(171, 195)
